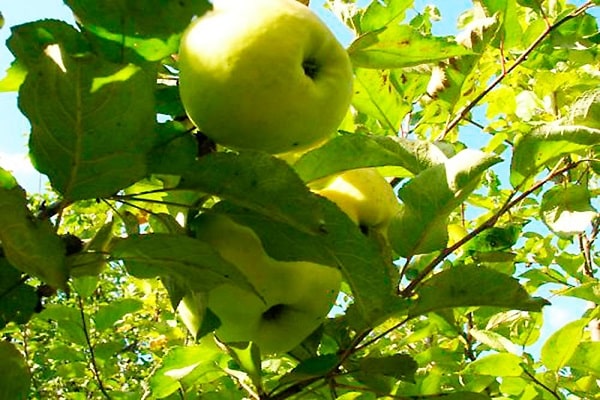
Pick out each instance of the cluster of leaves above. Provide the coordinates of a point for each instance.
(444, 310)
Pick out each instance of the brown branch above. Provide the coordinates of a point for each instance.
(510, 202)
(463, 113)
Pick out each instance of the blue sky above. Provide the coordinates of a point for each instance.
(13, 136)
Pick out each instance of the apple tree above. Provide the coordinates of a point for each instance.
(415, 251)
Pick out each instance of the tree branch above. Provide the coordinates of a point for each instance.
(465, 111)
(510, 202)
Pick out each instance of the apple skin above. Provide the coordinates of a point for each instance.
(264, 75)
(363, 194)
(296, 295)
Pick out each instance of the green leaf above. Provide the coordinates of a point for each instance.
(567, 210)
(151, 29)
(586, 110)
(201, 362)
(357, 151)
(29, 244)
(429, 198)
(470, 286)
(68, 320)
(247, 356)
(586, 358)
(193, 264)
(91, 139)
(15, 377)
(15, 75)
(561, 345)
(546, 144)
(378, 95)
(382, 14)
(108, 315)
(257, 181)
(311, 368)
(502, 364)
(588, 291)
(398, 366)
(92, 260)
(17, 299)
(401, 46)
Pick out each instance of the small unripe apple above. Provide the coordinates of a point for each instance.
(265, 75)
(363, 194)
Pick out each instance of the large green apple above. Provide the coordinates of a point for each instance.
(363, 194)
(295, 296)
(264, 74)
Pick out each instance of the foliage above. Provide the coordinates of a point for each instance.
(491, 138)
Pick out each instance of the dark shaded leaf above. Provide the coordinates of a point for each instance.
(192, 263)
(358, 151)
(311, 368)
(15, 377)
(29, 244)
(470, 286)
(18, 300)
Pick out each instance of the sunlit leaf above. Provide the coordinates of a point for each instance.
(588, 291)
(15, 75)
(586, 110)
(586, 358)
(201, 360)
(567, 211)
(380, 14)
(150, 29)
(545, 145)
(502, 364)
(108, 315)
(562, 344)
(400, 46)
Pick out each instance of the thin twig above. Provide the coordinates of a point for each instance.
(465, 111)
(542, 384)
(93, 364)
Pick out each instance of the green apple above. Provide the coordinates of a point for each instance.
(294, 296)
(363, 194)
(264, 74)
